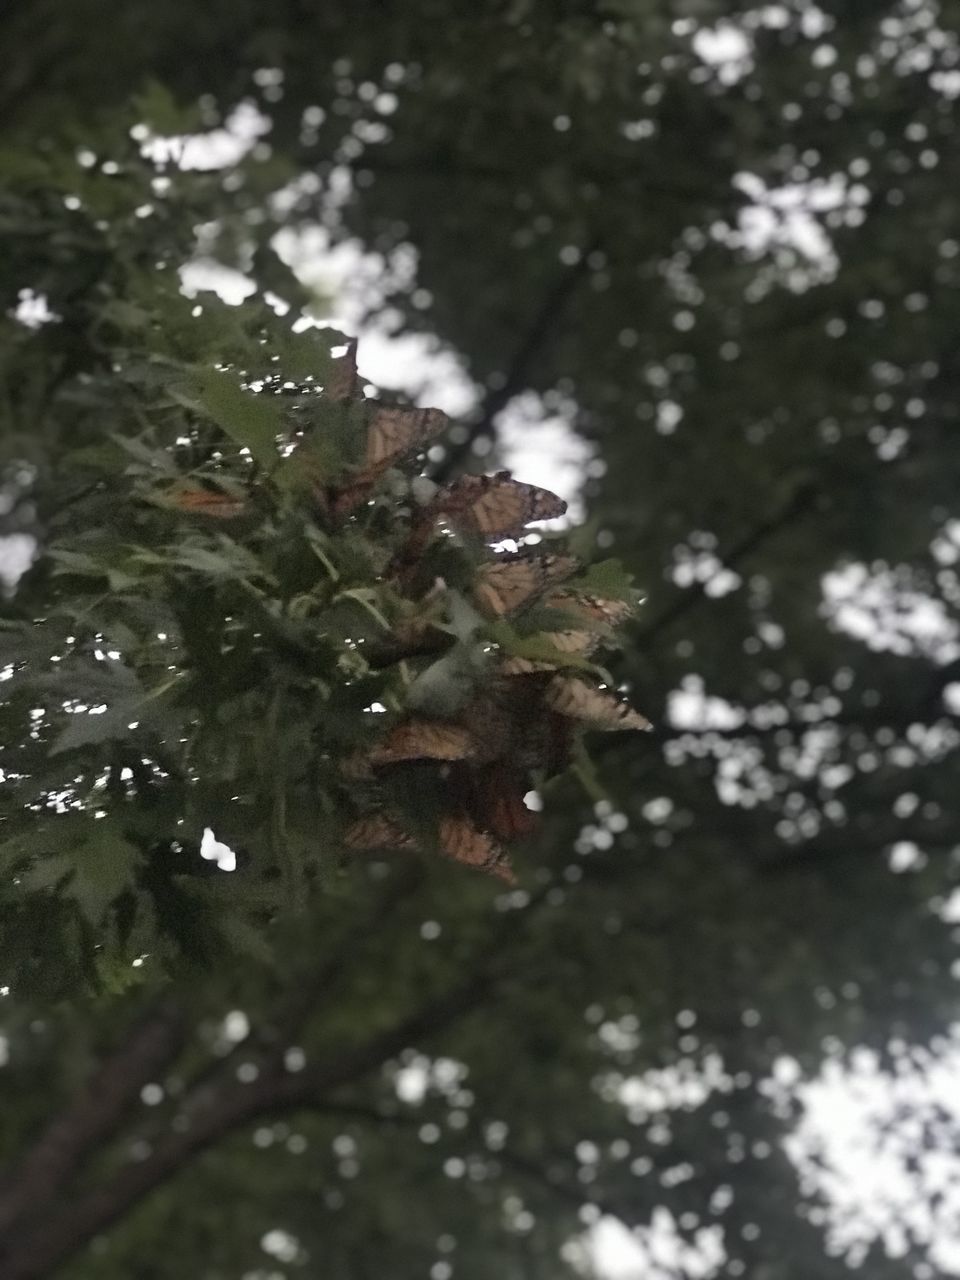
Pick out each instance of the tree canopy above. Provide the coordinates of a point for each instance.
(718, 241)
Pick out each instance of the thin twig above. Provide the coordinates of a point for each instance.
(542, 326)
(800, 503)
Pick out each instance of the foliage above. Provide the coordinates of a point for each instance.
(250, 614)
(736, 279)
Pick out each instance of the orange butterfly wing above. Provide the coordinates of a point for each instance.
(580, 701)
(581, 643)
(207, 502)
(597, 609)
(496, 506)
(499, 803)
(462, 842)
(391, 433)
(510, 582)
(458, 839)
(376, 831)
(424, 740)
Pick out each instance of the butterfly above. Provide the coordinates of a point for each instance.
(597, 609)
(512, 581)
(424, 740)
(579, 643)
(495, 506)
(462, 842)
(206, 502)
(376, 831)
(391, 433)
(457, 838)
(497, 802)
(580, 701)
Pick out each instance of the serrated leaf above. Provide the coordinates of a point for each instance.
(84, 565)
(146, 459)
(253, 421)
(95, 867)
(608, 578)
(306, 354)
(104, 865)
(228, 561)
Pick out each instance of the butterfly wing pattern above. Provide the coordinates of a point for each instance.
(495, 506)
(392, 434)
(479, 660)
(511, 582)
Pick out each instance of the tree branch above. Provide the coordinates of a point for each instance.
(37, 1251)
(801, 502)
(91, 1116)
(542, 326)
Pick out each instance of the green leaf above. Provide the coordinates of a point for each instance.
(156, 107)
(87, 728)
(105, 865)
(18, 849)
(306, 354)
(146, 459)
(538, 648)
(47, 873)
(98, 864)
(253, 421)
(229, 561)
(82, 564)
(608, 578)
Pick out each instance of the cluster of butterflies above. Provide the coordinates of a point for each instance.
(521, 721)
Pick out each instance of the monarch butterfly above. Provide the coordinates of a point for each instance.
(376, 831)
(510, 582)
(391, 433)
(496, 506)
(580, 701)
(462, 842)
(207, 502)
(498, 802)
(424, 740)
(580, 643)
(610, 612)
(457, 837)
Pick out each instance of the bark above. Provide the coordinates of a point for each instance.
(92, 1116)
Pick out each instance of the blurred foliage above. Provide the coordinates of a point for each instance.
(737, 280)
